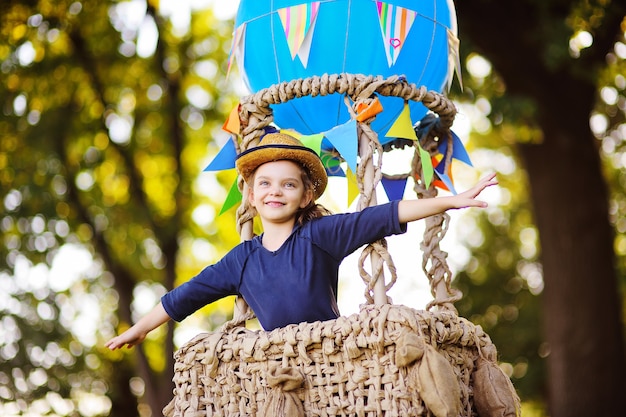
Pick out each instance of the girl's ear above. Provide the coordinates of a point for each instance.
(251, 196)
(306, 198)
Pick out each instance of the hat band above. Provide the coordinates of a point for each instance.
(278, 146)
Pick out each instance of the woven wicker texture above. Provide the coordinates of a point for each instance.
(348, 366)
(387, 360)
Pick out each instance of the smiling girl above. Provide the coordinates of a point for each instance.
(289, 273)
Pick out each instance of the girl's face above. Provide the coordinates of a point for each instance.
(278, 191)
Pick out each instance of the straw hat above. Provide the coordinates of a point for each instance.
(280, 146)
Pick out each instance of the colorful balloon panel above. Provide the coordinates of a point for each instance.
(345, 36)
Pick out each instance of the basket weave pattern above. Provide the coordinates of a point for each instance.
(348, 364)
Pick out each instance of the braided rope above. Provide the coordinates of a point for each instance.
(255, 114)
(370, 363)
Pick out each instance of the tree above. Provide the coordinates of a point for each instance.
(102, 140)
(103, 137)
(545, 94)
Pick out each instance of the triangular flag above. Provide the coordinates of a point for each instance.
(447, 181)
(436, 182)
(443, 175)
(442, 165)
(233, 197)
(305, 48)
(458, 149)
(353, 186)
(297, 22)
(232, 123)
(395, 24)
(313, 141)
(402, 127)
(225, 159)
(394, 188)
(236, 51)
(344, 139)
(454, 59)
(427, 165)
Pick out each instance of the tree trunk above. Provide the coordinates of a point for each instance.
(581, 308)
(581, 304)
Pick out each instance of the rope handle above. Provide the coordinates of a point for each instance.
(255, 114)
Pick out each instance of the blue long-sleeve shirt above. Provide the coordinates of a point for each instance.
(296, 283)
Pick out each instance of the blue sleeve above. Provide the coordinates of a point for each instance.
(342, 234)
(212, 283)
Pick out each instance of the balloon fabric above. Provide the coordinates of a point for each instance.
(285, 40)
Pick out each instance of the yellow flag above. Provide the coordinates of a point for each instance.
(353, 188)
(402, 127)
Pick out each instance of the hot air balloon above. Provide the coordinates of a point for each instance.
(283, 40)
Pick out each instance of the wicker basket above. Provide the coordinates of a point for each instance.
(387, 360)
(344, 367)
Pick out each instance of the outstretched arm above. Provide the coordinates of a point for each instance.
(136, 334)
(411, 210)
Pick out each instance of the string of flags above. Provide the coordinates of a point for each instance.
(340, 145)
(298, 24)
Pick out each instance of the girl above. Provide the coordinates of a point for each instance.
(289, 273)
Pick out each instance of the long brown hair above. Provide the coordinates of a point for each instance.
(312, 210)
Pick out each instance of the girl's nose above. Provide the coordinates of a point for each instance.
(275, 190)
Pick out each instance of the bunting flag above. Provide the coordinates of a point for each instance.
(402, 127)
(427, 165)
(225, 159)
(236, 49)
(313, 141)
(394, 188)
(447, 182)
(344, 139)
(234, 196)
(395, 24)
(232, 123)
(299, 24)
(454, 57)
(353, 186)
(458, 150)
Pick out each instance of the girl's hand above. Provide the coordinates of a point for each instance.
(468, 198)
(136, 334)
(130, 338)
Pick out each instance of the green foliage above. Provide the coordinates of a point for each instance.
(102, 148)
(503, 281)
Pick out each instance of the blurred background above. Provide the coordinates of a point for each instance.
(111, 110)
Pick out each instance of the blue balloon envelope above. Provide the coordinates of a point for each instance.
(344, 36)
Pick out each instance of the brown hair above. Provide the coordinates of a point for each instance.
(312, 210)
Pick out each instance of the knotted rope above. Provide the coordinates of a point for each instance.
(255, 114)
(387, 359)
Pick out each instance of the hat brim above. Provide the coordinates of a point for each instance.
(249, 160)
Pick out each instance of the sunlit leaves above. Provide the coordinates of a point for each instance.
(102, 135)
